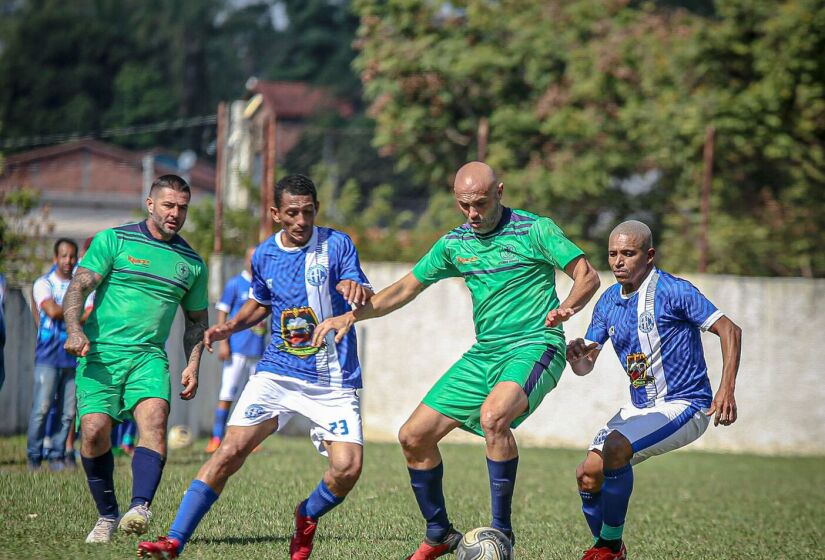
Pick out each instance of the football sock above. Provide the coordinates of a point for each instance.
(147, 467)
(616, 490)
(319, 502)
(197, 500)
(502, 484)
(219, 425)
(592, 509)
(426, 485)
(99, 474)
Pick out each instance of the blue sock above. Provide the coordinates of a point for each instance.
(147, 466)
(320, 501)
(592, 509)
(99, 474)
(502, 484)
(426, 485)
(616, 490)
(196, 502)
(219, 426)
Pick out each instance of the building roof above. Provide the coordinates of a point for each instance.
(297, 100)
(202, 175)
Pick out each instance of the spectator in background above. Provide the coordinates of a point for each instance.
(240, 352)
(54, 368)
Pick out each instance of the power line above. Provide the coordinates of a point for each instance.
(29, 141)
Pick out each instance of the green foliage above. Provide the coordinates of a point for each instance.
(240, 227)
(22, 231)
(586, 97)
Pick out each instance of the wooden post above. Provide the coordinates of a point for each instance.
(483, 135)
(269, 174)
(707, 179)
(220, 178)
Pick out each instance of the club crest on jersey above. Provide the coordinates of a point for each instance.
(297, 326)
(317, 275)
(646, 322)
(637, 366)
(182, 271)
(507, 254)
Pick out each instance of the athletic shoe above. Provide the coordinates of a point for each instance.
(428, 550)
(300, 547)
(57, 465)
(33, 466)
(213, 445)
(164, 548)
(103, 531)
(136, 520)
(604, 553)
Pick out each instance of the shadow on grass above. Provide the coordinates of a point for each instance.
(239, 540)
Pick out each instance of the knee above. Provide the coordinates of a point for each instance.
(589, 480)
(617, 451)
(96, 436)
(494, 420)
(346, 474)
(411, 439)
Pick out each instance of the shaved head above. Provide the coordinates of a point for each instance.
(636, 230)
(474, 175)
(478, 193)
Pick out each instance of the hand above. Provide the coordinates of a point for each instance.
(558, 316)
(356, 294)
(578, 349)
(723, 408)
(77, 344)
(215, 333)
(224, 351)
(341, 324)
(189, 380)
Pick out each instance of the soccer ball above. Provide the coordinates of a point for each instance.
(179, 437)
(484, 543)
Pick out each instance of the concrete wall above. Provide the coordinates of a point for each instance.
(780, 396)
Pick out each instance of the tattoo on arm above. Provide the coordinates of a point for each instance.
(196, 324)
(83, 283)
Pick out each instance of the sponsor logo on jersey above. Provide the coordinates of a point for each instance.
(182, 271)
(297, 326)
(465, 260)
(253, 411)
(637, 366)
(601, 436)
(646, 322)
(508, 254)
(317, 275)
(138, 262)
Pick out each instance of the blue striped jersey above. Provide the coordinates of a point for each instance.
(249, 342)
(656, 334)
(298, 283)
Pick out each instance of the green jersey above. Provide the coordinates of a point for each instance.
(144, 281)
(510, 273)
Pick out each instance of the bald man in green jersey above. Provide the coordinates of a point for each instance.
(508, 259)
(142, 273)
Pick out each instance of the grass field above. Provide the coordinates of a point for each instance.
(685, 506)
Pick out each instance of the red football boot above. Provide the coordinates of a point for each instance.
(162, 549)
(428, 550)
(300, 547)
(604, 553)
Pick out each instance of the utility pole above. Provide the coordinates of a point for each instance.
(704, 206)
(483, 136)
(268, 186)
(220, 177)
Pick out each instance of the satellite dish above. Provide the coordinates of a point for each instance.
(186, 160)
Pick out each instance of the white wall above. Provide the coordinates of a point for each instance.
(780, 396)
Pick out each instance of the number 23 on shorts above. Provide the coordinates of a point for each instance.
(342, 424)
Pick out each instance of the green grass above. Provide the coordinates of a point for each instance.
(685, 506)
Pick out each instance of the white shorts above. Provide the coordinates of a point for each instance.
(656, 430)
(335, 413)
(236, 371)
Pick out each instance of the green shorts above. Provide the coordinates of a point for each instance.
(461, 391)
(112, 382)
